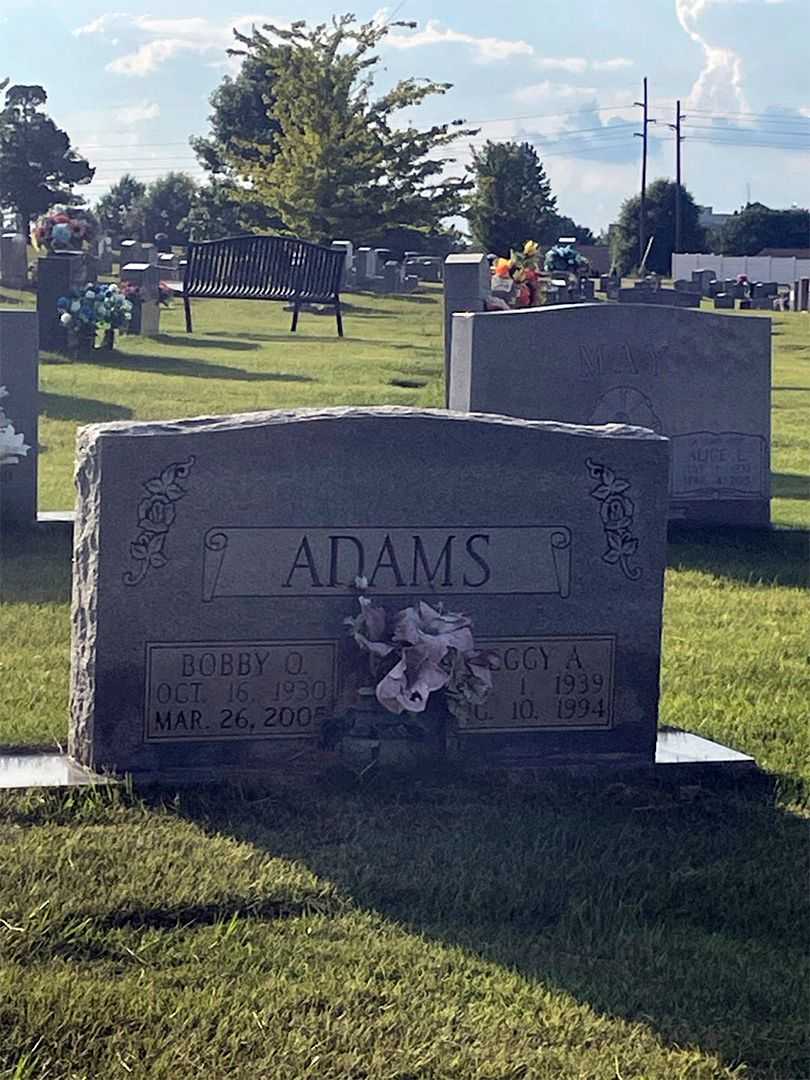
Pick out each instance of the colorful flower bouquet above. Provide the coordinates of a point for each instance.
(134, 293)
(565, 259)
(65, 228)
(12, 443)
(516, 280)
(96, 305)
(406, 662)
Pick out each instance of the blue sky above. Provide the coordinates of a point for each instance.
(131, 85)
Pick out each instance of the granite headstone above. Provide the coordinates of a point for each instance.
(215, 562)
(702, 379)
(19, 373)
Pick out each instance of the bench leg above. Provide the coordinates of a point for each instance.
(339, 318)
(294, 318)
(187, 305)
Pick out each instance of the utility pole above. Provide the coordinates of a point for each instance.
(642, 215)
(676, 127)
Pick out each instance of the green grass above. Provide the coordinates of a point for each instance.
(414, 931)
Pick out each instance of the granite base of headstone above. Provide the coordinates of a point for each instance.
(723, 302)
(56, 276)
(189, 532)
(169, 267)
(13, 261)
(19, 374)
(701, 379)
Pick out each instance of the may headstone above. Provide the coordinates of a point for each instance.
(13, 260)
(215, 560)
(704, 380)
(19, 373)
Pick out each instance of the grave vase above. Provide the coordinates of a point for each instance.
(374, 737)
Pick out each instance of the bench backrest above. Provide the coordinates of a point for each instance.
(263, 268)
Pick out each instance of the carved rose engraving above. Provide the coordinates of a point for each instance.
(156, 514)
(617, 511)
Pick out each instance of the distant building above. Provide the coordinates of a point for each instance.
(709, 220)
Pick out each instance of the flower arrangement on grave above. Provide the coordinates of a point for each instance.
(516, 280)
(91, 306)
(411, 658)
(12, 443)
(134, 293)
(565, 259)
(65, 228)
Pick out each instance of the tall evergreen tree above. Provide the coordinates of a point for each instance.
(38, 166)
(338, 164)
(512, 201)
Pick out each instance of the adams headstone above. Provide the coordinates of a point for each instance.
(704, 380)
(215, 562)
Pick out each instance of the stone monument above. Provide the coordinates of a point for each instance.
(217, 561)
(702, 379)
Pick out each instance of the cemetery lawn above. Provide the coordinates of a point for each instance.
(406, 931)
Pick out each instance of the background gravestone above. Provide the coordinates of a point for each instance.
(146, 310)
(214, 563)
(56, 276)
(13, 260)
(703, 380)
(466, 287)
(19, 373)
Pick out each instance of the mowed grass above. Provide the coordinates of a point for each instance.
(408, 931)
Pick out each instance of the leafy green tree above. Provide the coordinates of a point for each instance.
(38, 166)
(121, 211)
(338, 165)
(660, 226)
(756, 226)
(220, 209)
(243, 128)
(512, 200)
(167, 204)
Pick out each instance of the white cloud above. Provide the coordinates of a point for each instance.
(167, 38)
(576, 65)
(721, 79)
(485, 49)
(573, 64)
(616, 63)
(129, 115)
(536, 93)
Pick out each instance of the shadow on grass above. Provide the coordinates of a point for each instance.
(188, 341)
(10, 299)
(292, 339)
(790, 486)
(770, 556)
(792, 389)
(35, 566)
(674, 907)
(85, 410)
(195, 369)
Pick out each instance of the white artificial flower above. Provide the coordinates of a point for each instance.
(66, 319)
(12, 446)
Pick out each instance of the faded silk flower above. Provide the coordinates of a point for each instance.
(431, 649)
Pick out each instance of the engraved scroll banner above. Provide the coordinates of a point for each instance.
(318, 562)
(719, 465)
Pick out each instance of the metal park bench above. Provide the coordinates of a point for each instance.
(262, 268)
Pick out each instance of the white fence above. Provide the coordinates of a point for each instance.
(756, 267)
